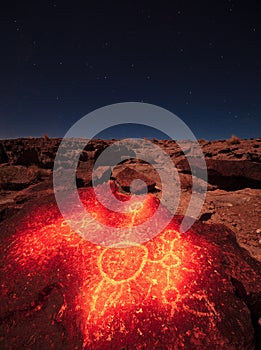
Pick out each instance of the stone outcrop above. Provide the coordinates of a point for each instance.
(177, 291)
(234, 169)
(43, 272)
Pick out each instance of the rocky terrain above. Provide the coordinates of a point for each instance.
(196, 290)
(234, 178)
(55, 286)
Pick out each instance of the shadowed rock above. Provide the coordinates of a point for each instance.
(125, 177)
(16, 178)
(3, 155)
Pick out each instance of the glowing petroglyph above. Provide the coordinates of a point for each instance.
(117, 296)
(156, 273)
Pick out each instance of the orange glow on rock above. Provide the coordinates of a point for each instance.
(164, 294)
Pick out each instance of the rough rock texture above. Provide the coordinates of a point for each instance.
(126, 176)
(51, 278)
(229, 174)
(234, 168)
(18, 177)
(197, 290)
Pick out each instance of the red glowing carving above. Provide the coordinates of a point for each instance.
(150, 296)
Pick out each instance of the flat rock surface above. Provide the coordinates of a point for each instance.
(192, 291)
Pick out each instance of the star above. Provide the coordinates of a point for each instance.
(105, 45)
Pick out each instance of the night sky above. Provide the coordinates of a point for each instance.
(62, 59)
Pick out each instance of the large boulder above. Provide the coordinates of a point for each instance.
(197, 290)
(18, 177)
(234, 174)
(227, 174)
(126, 177)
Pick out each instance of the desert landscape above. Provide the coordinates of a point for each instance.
(234, 179)
(37, 297)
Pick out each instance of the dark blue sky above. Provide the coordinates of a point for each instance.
(60, 60)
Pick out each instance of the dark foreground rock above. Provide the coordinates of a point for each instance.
(198, 290)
